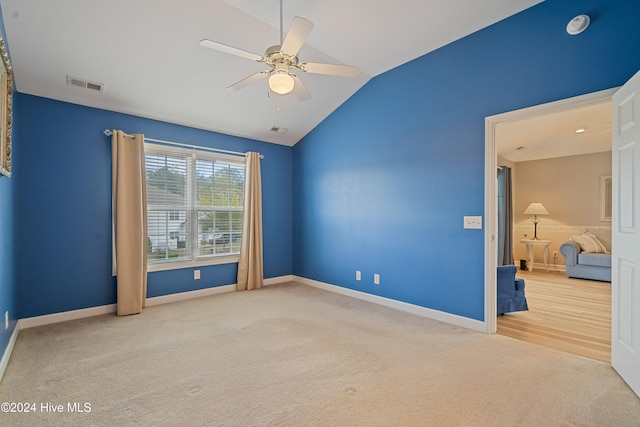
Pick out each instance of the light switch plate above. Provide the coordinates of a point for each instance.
(474, 222)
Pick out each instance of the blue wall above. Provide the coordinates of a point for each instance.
(7, 250)
(7, 260)
(64, 206)
(382, 184)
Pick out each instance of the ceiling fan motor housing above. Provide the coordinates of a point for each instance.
(274, 56)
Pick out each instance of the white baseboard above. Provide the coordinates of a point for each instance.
(7, 352)
(32, 322)
(539, 266)
(465, 322)
(280, 279)
(441, 316)
(47, 319)
(182, 296)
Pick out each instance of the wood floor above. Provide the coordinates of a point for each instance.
(569, 315)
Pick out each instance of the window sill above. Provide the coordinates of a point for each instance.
(227, 259)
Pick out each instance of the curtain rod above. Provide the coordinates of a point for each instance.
(108, 132)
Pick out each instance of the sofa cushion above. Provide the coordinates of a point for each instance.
(594, 259)
(589, 243)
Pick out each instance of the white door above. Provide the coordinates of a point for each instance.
(625, 257)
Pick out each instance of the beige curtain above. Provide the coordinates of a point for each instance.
(250, 265)
(129, 204)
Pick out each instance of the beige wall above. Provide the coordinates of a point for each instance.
(569, 188)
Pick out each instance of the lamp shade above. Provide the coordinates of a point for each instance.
(281, 83)
(536, 208)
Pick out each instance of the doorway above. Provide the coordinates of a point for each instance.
(491, 125)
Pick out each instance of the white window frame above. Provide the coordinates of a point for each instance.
(192, 212)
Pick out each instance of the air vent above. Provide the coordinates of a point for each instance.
(74, 81)
(279, 129)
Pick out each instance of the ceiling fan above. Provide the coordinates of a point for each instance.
(282, 58)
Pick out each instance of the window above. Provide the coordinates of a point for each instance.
(194, 207)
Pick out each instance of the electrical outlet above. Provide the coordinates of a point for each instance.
(376, 279)
(196, 274)
(358, 275)
(555, 254)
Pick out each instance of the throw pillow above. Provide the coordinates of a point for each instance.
(602, 247)
(590, 243)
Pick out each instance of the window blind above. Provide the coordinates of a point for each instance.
(194, 205)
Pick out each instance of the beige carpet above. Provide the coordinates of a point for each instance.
(291, 355)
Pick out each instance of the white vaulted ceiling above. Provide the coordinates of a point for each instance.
(146, 53)
(555, 135)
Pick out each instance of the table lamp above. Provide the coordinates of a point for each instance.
(535, 209)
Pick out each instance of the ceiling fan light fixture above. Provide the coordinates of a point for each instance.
(281, 83)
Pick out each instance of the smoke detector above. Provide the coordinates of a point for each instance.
(578, 24)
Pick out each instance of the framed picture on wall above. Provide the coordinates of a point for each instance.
(6, 116)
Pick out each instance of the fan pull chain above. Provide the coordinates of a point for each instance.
(277, 101)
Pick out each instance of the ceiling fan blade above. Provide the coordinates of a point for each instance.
(251, 79)
(298, 33)
(331, 69)
(299, 90)
(232, 50)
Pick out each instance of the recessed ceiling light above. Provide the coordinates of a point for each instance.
(581, 130)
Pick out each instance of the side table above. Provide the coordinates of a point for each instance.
(533, 243)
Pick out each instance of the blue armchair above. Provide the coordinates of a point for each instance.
(510, 291)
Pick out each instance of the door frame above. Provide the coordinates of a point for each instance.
(490, 187)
